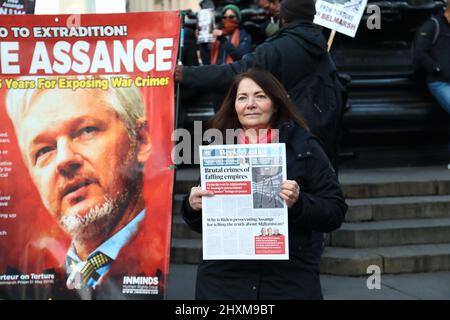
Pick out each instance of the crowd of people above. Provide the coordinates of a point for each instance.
(231, 41)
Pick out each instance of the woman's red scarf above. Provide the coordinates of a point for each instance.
(271, 136)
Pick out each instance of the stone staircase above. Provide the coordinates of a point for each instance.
(398, 219)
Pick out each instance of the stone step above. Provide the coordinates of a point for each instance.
(360, 210)
(395, 182)
(186, 251)
(395, 208)
(365, 147)
(377, 209)
(186, 178)
(351, 262)
(177, 203)
(348, 262)
(365, 183)
(181, 230)
(396, 259)
(391, 233)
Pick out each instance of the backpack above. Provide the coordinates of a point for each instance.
(322, 100)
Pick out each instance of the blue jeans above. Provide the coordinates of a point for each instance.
(441, 91)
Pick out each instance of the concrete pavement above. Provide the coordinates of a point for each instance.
(410, 286)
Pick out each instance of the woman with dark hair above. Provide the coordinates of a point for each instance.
(271, 91)
(258, 104)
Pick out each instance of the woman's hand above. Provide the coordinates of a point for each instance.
(195, 197)
(290, 191)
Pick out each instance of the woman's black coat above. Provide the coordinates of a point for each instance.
(320, 207)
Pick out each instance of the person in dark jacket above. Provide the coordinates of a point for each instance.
(257, 100)
(291, 55)
(432, 54)
(189, 53)
(232, 42)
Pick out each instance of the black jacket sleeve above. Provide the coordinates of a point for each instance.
(218, 77)
(321, 206)
(422, 47)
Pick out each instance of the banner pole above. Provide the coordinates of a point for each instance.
(180, 54)
(331, 39)
(177, 108)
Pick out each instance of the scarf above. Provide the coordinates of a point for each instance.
(271, 136)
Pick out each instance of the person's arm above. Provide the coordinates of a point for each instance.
(322, 207)
(218, 77)
(422, 48)
(244, 47)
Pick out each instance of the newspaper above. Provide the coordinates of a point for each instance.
(343, 16)
(205, 26)
(246, 218)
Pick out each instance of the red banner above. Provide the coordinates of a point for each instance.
(86, 178)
